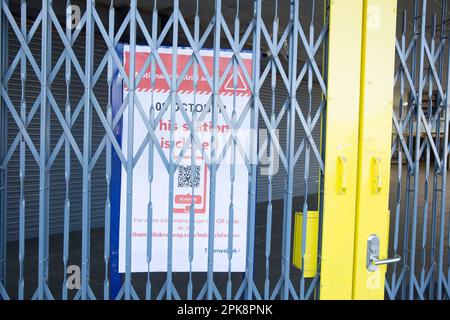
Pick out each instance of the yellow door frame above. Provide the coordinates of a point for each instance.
(360, 70)
(375, 134)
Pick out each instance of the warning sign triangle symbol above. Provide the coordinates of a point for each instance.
(240, 86)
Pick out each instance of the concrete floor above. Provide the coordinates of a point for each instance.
(97, 269)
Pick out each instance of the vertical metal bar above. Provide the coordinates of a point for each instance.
(273, 84)
(256, 70)
(284, 240)
(87, 122)
(440, 272)
(411, 104)
(307, 156)
(232, 155)
(441, 107)
(417, 153)
(323, 121)
(293, 47)
(3, 145)
(173, 103)
(399, 153)
(213, 166)
(148, 287)
(47, 136)
(427, 161)
(23, 111)
(43, 176)
(130, 142)
(108, 172)
(67, 168)
(193, 152)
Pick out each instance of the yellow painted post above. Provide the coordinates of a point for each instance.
(341, 149)
(376, 103)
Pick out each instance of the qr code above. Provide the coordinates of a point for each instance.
(184, 176)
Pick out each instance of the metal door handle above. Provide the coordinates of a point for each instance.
(378, 262)
(373, 254)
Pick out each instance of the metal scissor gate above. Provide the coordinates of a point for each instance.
(88, 87)
(418, 200)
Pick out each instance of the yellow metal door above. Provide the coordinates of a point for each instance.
(375, 127)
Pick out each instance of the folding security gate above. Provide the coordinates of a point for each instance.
(306, 228)
(281, 69)
(418, 200)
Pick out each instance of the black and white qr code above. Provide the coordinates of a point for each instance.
(184, 176)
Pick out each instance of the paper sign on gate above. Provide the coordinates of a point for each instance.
(234, 95)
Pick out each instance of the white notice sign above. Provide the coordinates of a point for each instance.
(235, 95)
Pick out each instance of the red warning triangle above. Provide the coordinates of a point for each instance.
(241, 85)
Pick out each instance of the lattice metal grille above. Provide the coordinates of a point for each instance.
(419, 214)
(294, 48)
